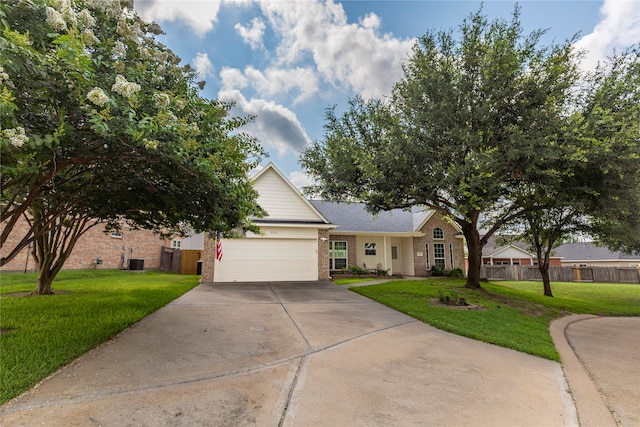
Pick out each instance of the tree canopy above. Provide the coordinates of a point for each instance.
(478, 117)
(99, 120)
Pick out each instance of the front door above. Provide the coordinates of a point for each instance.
(396, 263)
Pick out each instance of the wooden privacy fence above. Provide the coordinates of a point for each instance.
(562, 274)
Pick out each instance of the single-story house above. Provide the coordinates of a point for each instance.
(513, 253)
(305, 240)
(587, 254)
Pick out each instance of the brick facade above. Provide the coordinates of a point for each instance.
(208, 259)
(451, 236)
(115, 252)
(323, 255)
(351, 247)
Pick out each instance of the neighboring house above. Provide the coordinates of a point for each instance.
(304, 240)
(589, 255)
(514, 253)
(97, 249)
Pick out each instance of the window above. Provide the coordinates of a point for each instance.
(394, 252)
(426, 256)
(337, 255)
(175, 244)
(369, 248)
(438, 255)
(438, 233)
(116, 235)
(451, 255)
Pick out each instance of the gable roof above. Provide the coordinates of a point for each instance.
(494, 249)
(281, 200)
(354, 217)
(587, 251)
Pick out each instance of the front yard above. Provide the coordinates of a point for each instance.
(40, 334)
(509, 314)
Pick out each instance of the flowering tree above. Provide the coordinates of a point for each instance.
(99, 122)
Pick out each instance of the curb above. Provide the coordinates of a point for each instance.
(590, 405)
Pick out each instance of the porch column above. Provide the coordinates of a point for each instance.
(208, 258)
(384, 244)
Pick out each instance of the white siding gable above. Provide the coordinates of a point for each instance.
(511, 252)
(281, 200)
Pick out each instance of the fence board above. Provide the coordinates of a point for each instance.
(562, 274)
(190, 258)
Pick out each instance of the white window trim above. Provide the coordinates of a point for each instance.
(451, 255)
(333, 258)
(371, 247)
(426, 256)
(443, 257)
(433, 233)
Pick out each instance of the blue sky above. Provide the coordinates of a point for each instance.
(286, 61)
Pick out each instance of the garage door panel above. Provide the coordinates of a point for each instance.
(251, 260)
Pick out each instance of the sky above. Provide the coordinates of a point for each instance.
(285, 62)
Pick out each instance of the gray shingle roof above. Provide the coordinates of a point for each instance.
(588, 251)
(353, 217)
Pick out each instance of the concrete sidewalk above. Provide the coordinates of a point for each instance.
(294, 354)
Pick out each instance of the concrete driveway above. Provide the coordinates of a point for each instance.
(294, 354)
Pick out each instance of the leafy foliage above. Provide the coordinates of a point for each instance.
(471, 120)
(99, 120)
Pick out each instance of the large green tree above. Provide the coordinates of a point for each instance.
(609, 125)
(100, 122)
(475, 116)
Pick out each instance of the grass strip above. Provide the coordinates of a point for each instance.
(41, 334)
(510, 314)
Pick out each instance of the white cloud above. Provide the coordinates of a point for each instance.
(201, 16)
(275, 126)
(299, 83)
(619, 28)
(232, 78)
(300, 179)
(351, 56)
(203, 65)
(252, 35)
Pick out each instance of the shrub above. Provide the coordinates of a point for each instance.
(456, 272)
(358, 270)
(437, 271)
(381, 272)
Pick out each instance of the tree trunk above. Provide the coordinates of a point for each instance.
(45, 283)
(546, 282)
(474, 247)
(52, 249)
(543, 266)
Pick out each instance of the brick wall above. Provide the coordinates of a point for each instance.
(323, 255)
(208, 259)
(114, 251)
(351, 247)
(451, 235)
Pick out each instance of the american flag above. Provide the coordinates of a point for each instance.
(219, 246)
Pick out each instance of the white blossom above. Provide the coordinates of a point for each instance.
(97, 96)
(55, 19)
(89, 37)
(129, 28)
(161, 100)
(4, 77)
(87, 20)
(110, 7)
(119, 50)
(123, 87)
(16, 136)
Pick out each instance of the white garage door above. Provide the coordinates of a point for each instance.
(267, 260)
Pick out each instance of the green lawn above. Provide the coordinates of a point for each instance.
(43, 333)
(511, 314)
